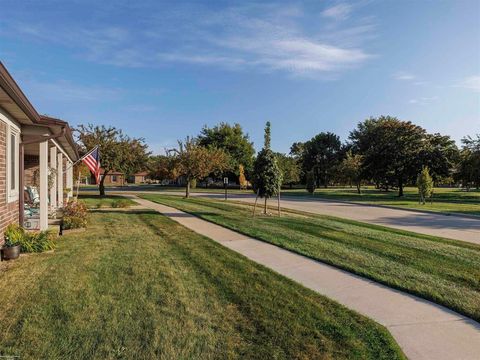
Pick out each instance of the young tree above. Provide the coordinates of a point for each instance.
(310, 182)
(234, 142)
(321, 154)
(289, 169)
(350, 170)
(117, 151)
(424, 184)
(196, 162)
(242, 180)
(266, 178)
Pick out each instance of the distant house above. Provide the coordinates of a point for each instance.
(138, 178)
(112, 178)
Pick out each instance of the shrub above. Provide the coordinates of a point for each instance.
(30, 242)
(13, 234)
(310, 186)
(75, 215)
(39, 241)
(122, 203)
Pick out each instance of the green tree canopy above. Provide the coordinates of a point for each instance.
(266, 174)
(424, 184)
(234, 142)
(117, 151)
(468, 171)
(321, 154)
(349, 170)
(390, 150)
(196, 162)
(289, 168)
(162, 167)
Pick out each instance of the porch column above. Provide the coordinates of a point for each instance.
(43, 149)
(60, 179)
(70, 178)
(53, 189)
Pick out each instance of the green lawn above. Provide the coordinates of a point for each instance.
(137, 285)
(96, 201)
(445, 200)
(444, 271)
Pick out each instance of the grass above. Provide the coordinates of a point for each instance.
(444, 271)
(97, 201)
(137, 285)
(445, 200)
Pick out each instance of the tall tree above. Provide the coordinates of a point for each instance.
(234, 142)
(289, 169)
(117, 151)
(267, 178)
(390, 150)
(162, 167)
(321, 154)
(469, 166)
(440, 154)
(196, 162)
(350, 170)
(296, 150)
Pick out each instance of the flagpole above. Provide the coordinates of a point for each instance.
(83, 157)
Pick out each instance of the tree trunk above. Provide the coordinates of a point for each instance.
(101, 186)
(187, 189)
(255, 205)
(400, 186)
(265, 207)
(358, 188)
(279, 211)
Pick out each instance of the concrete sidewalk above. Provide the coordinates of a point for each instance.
(423, 329)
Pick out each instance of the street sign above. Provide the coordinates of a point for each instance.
(225, 180)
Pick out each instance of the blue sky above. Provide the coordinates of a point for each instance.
(163, 69)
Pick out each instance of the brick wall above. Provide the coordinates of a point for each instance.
(32, 163)
(8, 211)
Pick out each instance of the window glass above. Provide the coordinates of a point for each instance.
(13, 165)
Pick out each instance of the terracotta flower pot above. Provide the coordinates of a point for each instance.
(11, 253)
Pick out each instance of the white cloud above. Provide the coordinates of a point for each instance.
(266, 37)
(471, 82)
(338, 12)
(423, 100)
(402, 75)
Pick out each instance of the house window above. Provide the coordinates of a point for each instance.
(114, 178)
(12, 163)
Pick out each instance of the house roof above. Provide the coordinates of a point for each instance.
(18, 107)
(102, 171)
(141, 173)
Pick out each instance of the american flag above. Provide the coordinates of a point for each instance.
(92, 160)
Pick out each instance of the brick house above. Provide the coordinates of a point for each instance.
(112, 177)
(31, 147)
(138, 178)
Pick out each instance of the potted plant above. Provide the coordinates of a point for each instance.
(13, 237)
